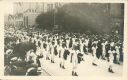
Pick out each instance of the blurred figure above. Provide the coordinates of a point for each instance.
(94, 48)
(103, 50)
(111, 57)
(117, 47)
(75, 61)
(52, 52)
(62, 50)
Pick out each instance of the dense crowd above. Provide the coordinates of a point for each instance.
(63, 45)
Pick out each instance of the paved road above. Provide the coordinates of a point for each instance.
(44, 72)
(85, 68)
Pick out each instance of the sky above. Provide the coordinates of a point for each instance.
(8, 7)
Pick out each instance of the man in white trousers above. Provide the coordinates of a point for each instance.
(94, 48)
(75, 51)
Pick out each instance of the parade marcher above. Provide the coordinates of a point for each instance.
(94, 48)
(86, 44)
(75, 60)
(84, 48)
(99, 49)
(39, 43)
(47, 50)
(103, 50)
(110, 61)
(55, 50)
(81, 46)
(90, 46)
(111, 57)
(44, 51)
(52, 52)
(107, 48)
(58, 47)
(62, 50)
(70, 43)
(117, 54)
(67, 43)
(65, 56)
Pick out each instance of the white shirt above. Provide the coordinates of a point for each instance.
(103, 47)
(74, 57)
(94, 50)
(112, 44)
(62, 52)
(117, 50)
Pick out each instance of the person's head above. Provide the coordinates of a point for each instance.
(31, 50)
(44, 45)
(106, 42)
(94, 45)
(75, 47)
(53, 43)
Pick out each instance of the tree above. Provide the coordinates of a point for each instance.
(78, 17)
(45, 20)
(21, 49)
(61, 17)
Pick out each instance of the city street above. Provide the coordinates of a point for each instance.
(85, 68)
(65, 39)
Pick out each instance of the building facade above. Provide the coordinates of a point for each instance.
(25, 13)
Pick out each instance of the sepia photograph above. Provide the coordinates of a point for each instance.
(64, 39)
